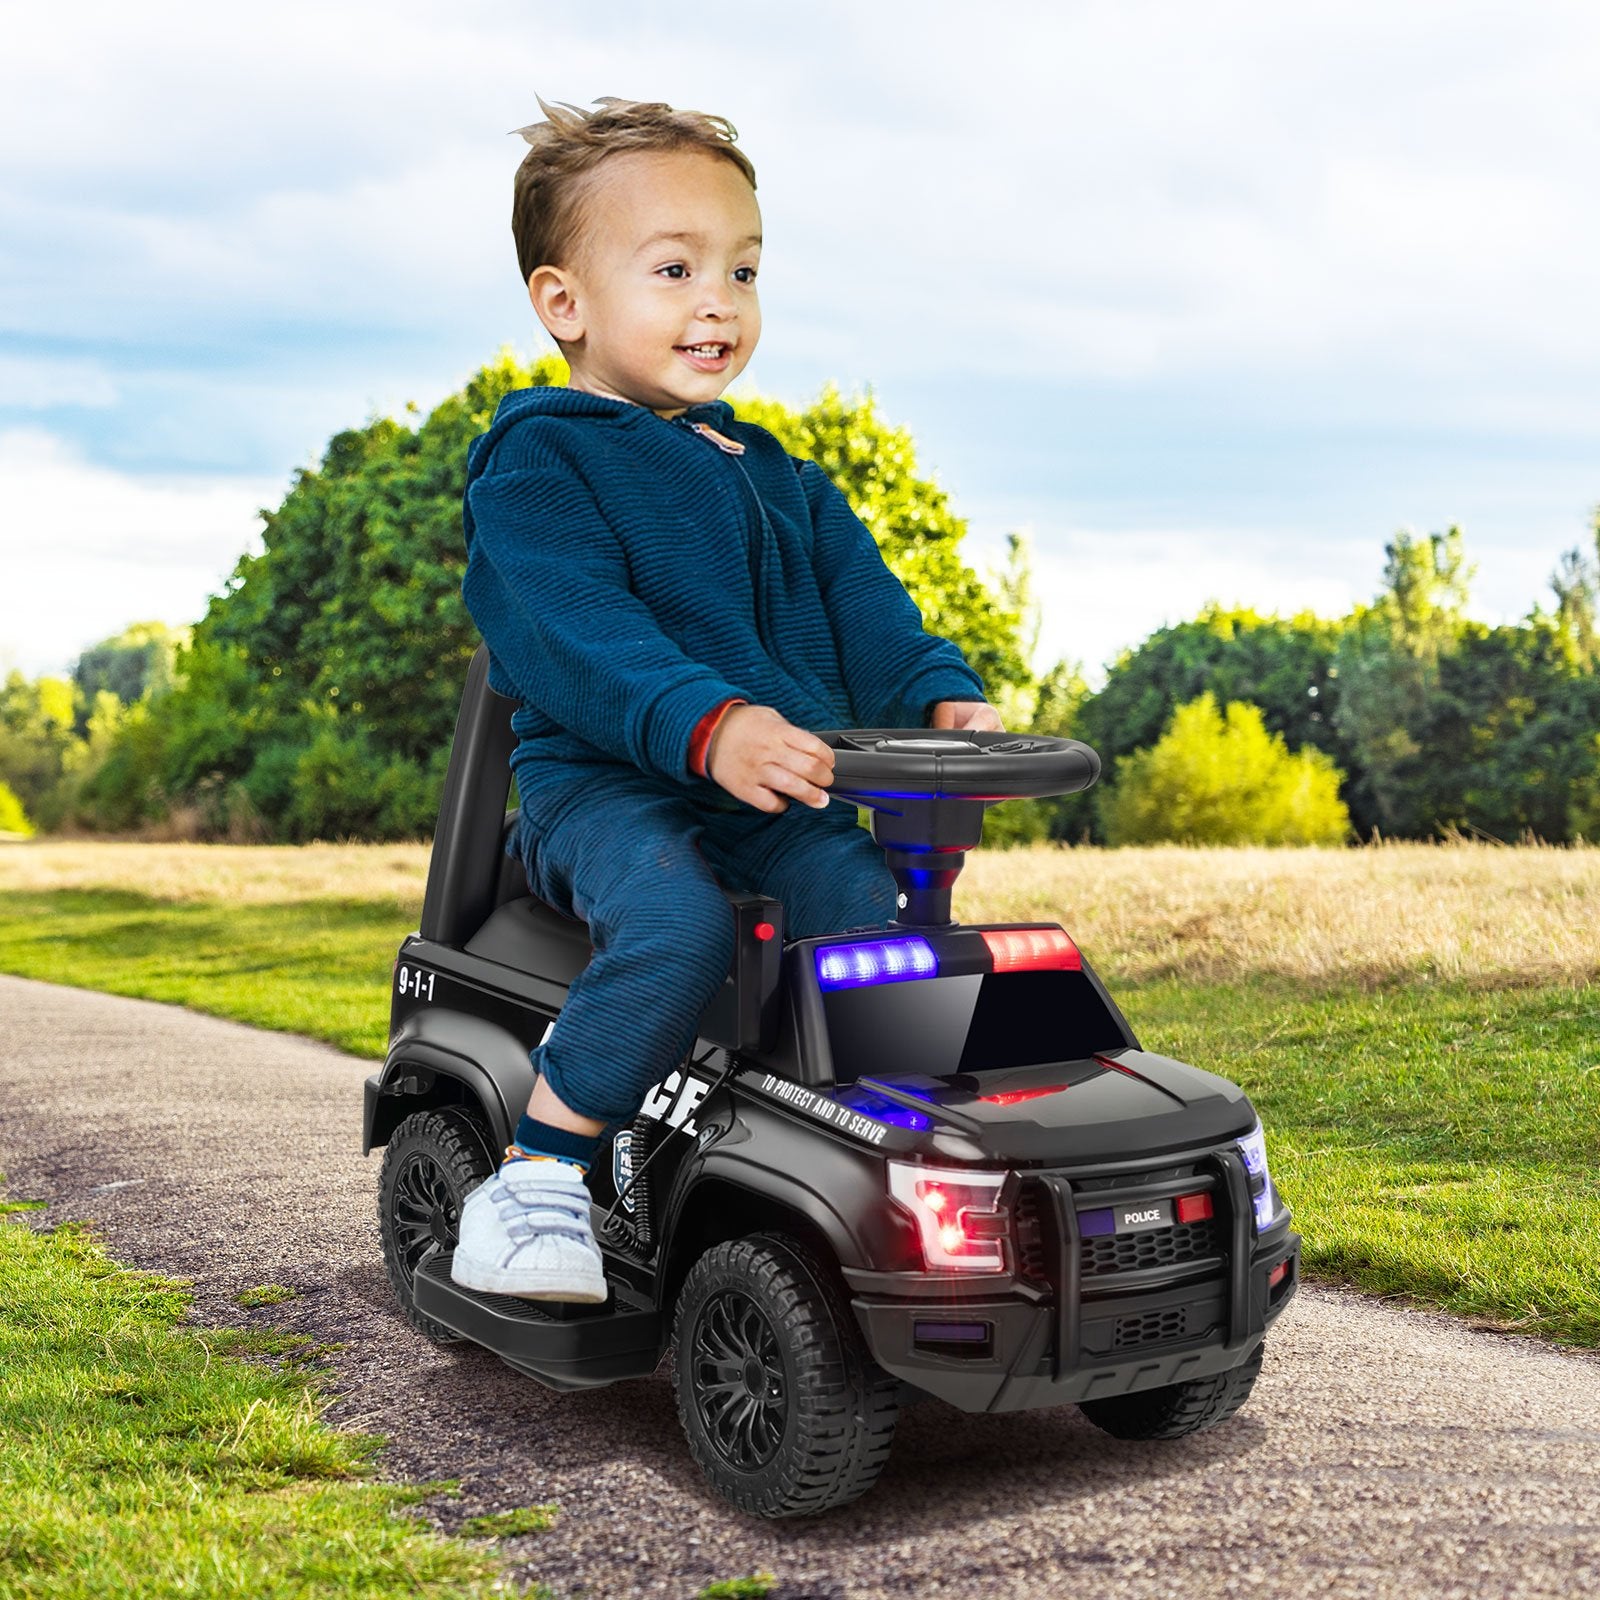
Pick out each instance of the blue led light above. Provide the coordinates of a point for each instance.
(848, 966)
(1253, 1147)
(874, 1105)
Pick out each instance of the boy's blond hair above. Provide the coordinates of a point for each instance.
(547, 210)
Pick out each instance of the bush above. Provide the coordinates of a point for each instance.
(13, 819)
(1220, 778)
(119, 785)
(345, 788)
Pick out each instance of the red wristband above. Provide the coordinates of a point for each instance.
(700, 740)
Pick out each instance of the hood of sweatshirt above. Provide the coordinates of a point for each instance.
(549, 400)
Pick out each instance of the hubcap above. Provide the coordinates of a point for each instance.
(425, 1210)
(736, 1373)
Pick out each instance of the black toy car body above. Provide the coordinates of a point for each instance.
(929, 1158)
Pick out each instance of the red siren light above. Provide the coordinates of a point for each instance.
(1032, 950)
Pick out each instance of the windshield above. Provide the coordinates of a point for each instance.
(977, 1022)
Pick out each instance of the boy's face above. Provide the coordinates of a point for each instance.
(659, 307)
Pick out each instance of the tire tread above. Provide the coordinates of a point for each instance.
(460, 1144)
(1177, 1409)
(845, 1406)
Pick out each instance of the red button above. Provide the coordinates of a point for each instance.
(764, 930)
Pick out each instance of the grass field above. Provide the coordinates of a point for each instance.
(144, 1459)
(1416, 1024)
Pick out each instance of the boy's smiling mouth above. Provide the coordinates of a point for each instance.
(707, 357)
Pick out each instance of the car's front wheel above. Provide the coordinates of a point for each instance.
(783, 1406)
(1177, 1408)
(433, 1161)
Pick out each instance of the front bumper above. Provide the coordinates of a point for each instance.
(1068, 1340)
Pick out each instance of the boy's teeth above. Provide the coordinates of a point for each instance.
(707, 350)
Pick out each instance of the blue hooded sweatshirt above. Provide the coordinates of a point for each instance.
(629, 574)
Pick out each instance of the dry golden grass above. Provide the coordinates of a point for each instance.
(1476, 913)
(1482, 914)
(238, 873)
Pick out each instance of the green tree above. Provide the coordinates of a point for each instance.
(1576, 582)
(1388, 668)
(133, 665)
(1504, 744)
(1283, 665)
(1220, 777)
(1583, 810)
(36, 740)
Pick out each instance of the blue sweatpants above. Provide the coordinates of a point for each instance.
(642, 868)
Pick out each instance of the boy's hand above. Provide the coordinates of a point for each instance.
(761, 758)
(978, 714)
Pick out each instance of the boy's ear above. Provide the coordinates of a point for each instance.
(555, 303)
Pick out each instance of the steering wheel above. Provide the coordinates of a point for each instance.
(955, 764)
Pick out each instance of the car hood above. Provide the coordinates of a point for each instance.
(1117, 1105)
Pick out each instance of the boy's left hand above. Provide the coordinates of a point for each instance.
(977, 714)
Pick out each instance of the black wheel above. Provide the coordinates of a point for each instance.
(784, 1409)
(1179, 1408)
(433, 1162)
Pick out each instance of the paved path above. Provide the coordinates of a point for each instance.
(1384, 1453)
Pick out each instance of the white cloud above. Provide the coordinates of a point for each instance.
(1345, 215)
(86, 550)
(1075, 191)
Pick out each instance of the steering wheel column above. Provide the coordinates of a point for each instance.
(925, 843)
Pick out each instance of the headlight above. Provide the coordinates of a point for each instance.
(1253, 1147)
(958, 1213)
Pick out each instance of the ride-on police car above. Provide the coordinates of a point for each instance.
(924, 1158)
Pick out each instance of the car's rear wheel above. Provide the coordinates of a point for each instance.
(1177, 1408)
(784, 1409)
(434, 1160)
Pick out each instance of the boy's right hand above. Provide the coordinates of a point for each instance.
(760, 757)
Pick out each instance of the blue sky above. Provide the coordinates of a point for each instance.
(1210, 301)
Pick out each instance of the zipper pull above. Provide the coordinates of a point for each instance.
(728, 446)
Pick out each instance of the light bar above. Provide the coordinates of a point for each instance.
(1032, 950)
(848, 966)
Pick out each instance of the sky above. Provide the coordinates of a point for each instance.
(1209, 301)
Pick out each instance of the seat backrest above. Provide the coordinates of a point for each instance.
(465, 871)
(512, 883)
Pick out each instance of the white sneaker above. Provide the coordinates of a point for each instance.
(526, 1232)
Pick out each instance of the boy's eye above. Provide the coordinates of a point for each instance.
(745, 274)
(674, 269)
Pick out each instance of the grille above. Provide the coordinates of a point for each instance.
(1154, 1327)
(1160, 1247)
(1030, 1241)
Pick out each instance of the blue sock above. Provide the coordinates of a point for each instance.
(540, 1139)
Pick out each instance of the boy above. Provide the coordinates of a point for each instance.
(674, 601)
